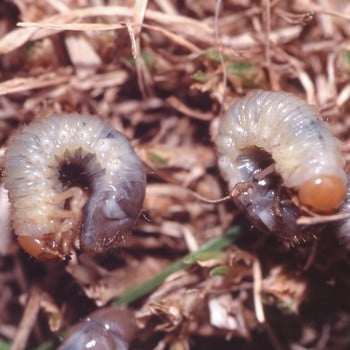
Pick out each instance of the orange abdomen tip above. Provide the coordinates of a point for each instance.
(323, 193)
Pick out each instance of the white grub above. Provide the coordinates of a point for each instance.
(108, 328)
(284, 126)
(306, 156)
(79, 148)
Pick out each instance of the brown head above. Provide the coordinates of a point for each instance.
(323, 193)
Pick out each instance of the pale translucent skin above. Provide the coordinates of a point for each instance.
(116, 180)
(105, 329)
(300, 144)
(285, 126)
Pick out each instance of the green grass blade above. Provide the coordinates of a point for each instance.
(214, 245)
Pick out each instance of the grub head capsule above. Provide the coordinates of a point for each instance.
(323, 193)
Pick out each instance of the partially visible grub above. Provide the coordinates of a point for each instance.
(157, 72)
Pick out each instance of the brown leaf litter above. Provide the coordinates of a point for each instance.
(161, 72)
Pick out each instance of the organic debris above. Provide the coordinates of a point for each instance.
(162, 72)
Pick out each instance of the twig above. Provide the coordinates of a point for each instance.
(307, 220)
(259, 310)
(30, 314)
(220, 55)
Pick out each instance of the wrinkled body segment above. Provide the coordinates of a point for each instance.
(305, 154)
(68, 174)
(105, 329)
